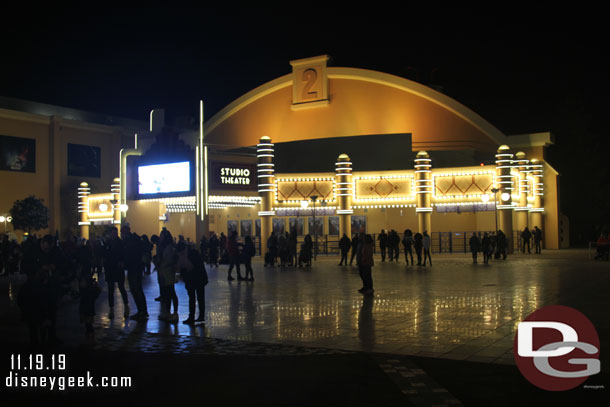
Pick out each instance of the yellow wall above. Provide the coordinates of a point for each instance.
(361, 102)
(51, 181)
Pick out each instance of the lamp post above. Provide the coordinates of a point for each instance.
(4, 219)
(315, 230)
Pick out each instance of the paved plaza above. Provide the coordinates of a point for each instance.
(453, 310)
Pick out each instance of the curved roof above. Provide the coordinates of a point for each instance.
(362, 102)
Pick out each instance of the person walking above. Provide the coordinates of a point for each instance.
(537, 240)
(222, 246)
(166, 263)
(233, 252)
(366, 263)
(426, 243)
(192, 268)
(248, 252)
(355, 241)
(486, 248)
(407, 242)
(114, 271)
(526, 236)
(475, 246)
(344, 245)
(383, 244)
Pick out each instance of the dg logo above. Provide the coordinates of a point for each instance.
(557, 348)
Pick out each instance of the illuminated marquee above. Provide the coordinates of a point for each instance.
(225, 175)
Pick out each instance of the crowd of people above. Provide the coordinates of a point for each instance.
(72, 268)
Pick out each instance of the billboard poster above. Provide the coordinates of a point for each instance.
(17, 154)
(245, 227)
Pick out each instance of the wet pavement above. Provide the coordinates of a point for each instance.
(454, 310)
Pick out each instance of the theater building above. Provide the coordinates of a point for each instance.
(357, 150)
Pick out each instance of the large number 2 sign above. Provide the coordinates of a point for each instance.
(309, 77)
(309, 83)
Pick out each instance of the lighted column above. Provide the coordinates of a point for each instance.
(266, 184)
(115, 188)
(536, 171)
(83, 209)
(505, 184)
(343, 193)
(423, 191)
(522, 210)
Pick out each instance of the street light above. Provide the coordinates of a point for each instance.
(315, 230)
(4, 219)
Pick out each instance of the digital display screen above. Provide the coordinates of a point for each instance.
(164, 178)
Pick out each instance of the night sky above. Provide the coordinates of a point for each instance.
(523, 73)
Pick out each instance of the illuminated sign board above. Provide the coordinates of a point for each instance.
(235, 176)
(167, 178)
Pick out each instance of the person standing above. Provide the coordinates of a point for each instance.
(486, 247)
(233, 252)
(407, 242)
(203, 249)
(426, 243)
(355, 241)
(537, 240)
(133, 254)
(213, 245)
(114, 269)
(344, 245)
(365, 263)
(192, 268)
(272, 247)
(475, 247)
(222, 246)
(383, 244)
(418, 244)
(292, 248)
(248, 252)
(166, 264)
(501, 245)
(89, 291)
(147, 248)
(526, 236)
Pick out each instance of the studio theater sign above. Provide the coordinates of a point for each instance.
(233, 176)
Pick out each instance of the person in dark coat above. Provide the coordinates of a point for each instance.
(526, 236)
(114, 263)
(233, 251)
(306, 251)
(192, 269)
(486, 247)
(475, 246)
(344, 246)
(383, 244)
(418, 245)
(203, 248)
(355, 241)
(36, 301)
(501, 244)
(133, 250)
(272, 247)
(213, 247)
(292, 248)
(247, 253)
(407, 242)
(394, 243)
(537, 240)
(365, 263)
(147, 248)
